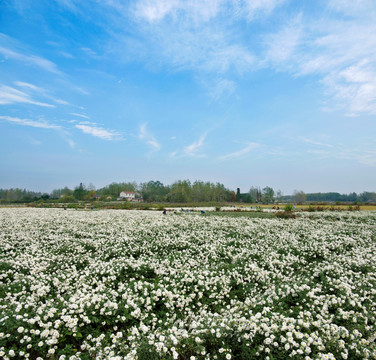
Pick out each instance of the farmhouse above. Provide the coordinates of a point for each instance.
(127, 195)
(130, 196)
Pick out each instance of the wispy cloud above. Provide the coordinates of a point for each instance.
(10, 95)
(61, 102)
(98, 132)
(261, 7)
(33, 89)
(315, 142)
(337, 49)
(80, 115)
(244, 151)
(145, 135)
(220, 88)
(28, 86)
(28, 122)
(193, 35)
(42, 125)
(354, 87)
(193, 148)
(25, 58)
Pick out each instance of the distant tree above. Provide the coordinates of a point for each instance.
(255, 194)
(267, 195)
(80, 192)
(299, 196)
(238, 196)
(232, 196)
(153, 191)
(278, 195)
(246, 198)
(57, 193)
(367, 196)
(180, 191)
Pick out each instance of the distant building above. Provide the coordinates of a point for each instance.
(127, 195)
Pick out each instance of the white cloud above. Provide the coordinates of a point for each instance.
(220, 88)
(42, 125)
(283, 44)
(61, 102)
(262, 7)
(315, 142)
(28, 86)
(31, 88)
(339, 50)
(247, 149)
(9, 95)
(194, 35)
(98, 132)
(148, 138)
(354, 87)
(27, 59)
(80, 115)
(352, 7)
(157, 10)
(192, 149)
(28, 122)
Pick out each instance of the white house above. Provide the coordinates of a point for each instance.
(128, 195)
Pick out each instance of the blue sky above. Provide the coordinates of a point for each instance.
(278, 93)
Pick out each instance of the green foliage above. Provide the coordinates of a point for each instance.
(299, 196)
(289, 207)
(267, 195)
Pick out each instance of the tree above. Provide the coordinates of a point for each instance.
(80, 192)
(299, 196)
(279, 195)
(153, 191)
(255, 194)
(267, 195)
(238, 194)
(180, 191)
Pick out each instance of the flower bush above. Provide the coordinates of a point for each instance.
(118, 284)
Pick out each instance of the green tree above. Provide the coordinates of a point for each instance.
(80, 192)
(180, 191)
(267, 195)
(153, 191)
(238, 195)
(255, 194)
(299, 196)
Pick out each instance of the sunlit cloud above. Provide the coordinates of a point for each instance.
(244, 151)
(9, 95)
(339, 53)
(315, 142)
(99, 132)
(220, 88)
(145, 135)
(193, 148)
(27, 59)
(28, 122)
(80, 115)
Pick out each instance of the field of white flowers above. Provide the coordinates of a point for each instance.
(118, 284)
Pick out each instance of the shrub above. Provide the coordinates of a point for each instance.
(288, 208)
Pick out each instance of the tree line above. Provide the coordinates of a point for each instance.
(181, 191)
